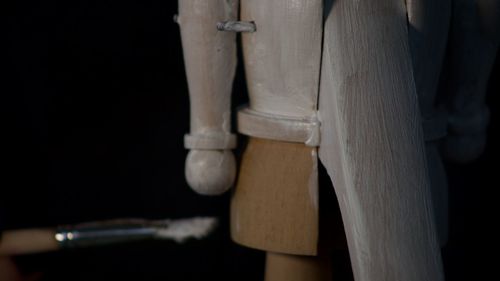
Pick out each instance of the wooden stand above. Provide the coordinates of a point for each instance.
(281, 267)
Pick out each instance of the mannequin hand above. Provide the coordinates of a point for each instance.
(210, 172)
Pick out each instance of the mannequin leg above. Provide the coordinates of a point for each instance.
(284, 267)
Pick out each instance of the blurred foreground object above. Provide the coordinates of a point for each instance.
(29, 241)
(474, 41)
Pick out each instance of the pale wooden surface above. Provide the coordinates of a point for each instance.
(372, 142)
(428, 25)
(282, 58)
(278, 127)
(210, 62)
(283, 267)
(275, 205)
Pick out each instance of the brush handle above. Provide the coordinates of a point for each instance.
(28, 241)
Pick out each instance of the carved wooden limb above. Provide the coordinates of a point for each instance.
(210, 61)
(428, 25)
(371, 132)
(475, 37)
(275, 204)
(372, 142)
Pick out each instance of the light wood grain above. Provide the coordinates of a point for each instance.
(275, 205)
(372, 142)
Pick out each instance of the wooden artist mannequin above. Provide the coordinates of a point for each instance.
(210, 57)
(335, 81)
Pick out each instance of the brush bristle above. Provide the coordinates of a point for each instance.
(183, 229)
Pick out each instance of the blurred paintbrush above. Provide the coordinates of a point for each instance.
(29, 241)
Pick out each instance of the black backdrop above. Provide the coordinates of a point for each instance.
(95, 105)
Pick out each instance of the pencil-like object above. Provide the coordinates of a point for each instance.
(28, 241)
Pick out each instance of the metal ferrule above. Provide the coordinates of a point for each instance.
(104, 233)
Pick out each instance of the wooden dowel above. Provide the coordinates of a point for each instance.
(28, 241)
(284, 267)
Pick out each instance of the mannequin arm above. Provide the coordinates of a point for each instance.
(372, 142)
(210, 61)
(475, 37)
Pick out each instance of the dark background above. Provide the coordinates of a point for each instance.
(94, 106)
